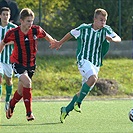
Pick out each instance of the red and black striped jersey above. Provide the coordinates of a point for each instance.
(25, 45)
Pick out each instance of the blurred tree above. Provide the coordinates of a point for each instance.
(60, 16)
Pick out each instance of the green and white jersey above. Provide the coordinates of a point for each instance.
(5, 55)
(90, 42)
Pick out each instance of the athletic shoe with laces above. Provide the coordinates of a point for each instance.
(63, 114)
(30, 116)
(77, 107)
(9, 111)
(6, 106)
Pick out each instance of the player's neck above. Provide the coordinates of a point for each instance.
(24, 30)
(95, 27)
(3, 24)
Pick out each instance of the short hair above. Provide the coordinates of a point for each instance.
(4, 9)
(26, 12)
(100, 11)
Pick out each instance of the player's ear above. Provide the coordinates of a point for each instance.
(21, 20)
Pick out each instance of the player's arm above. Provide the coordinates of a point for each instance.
(9, 43)
(67, 37)
(112, 37)
(58, 44)
(2, 45)
(116, 38)
(49, 38)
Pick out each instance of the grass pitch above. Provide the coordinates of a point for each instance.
(103, 116)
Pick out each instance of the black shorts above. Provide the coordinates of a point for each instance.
(19, 69)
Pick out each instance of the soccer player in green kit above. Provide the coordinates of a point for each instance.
(93, 43)
(5, 65)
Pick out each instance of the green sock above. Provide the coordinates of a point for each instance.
(70, 106)
(8, 92)
(0, 90)
(84, 91)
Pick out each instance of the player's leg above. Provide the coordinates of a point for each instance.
(1, 85)
(15, 99)
(9, 87)
(89, 72)
(8, 73)
(70, 106)
(65, 110)
(18, 93)
(86, 88)
(27, 94)
(1, 78)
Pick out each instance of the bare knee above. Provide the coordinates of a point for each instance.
(92, 80)
(0, 79)
(27, 84)
(26, 81)
(9, 81)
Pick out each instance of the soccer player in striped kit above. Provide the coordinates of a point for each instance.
(23, 58)
(93, 43)
(5, 65)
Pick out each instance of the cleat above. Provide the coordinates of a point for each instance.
(77, 107)
(63, 114)
(9, 111)
(30, 116)
(6, 106)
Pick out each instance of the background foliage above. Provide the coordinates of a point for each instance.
(59, 76)
(60, 16)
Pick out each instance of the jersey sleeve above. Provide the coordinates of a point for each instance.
(41, 33)
(8, 37)
(75, 33)
(110, 32)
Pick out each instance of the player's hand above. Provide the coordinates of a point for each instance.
(109, 38)
(55, 44)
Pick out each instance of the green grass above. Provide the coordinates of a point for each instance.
(59, 76)
(103, 116)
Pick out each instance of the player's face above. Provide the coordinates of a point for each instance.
(100, 21)
(27, 22)
(5, 16)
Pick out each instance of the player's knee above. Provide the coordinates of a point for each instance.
(95, 79)
(92, 80)
(9, 82)
(27, 84)
(0, 79)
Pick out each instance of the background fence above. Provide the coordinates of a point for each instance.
(117, 50)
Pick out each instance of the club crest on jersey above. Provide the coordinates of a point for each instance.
(98, 34)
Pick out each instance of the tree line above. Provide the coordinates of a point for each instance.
(59, 16)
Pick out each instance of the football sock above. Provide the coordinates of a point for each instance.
(8, 92)
(70, 106)
(0, 91)
(84, 91)
(15, 99)
(27, 97)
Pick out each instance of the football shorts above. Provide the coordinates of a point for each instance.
(6, 69)
(19, 70)
(87, 69)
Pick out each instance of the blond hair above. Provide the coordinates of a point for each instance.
(100, 11)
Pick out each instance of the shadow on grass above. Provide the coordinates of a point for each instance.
(10, 125)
